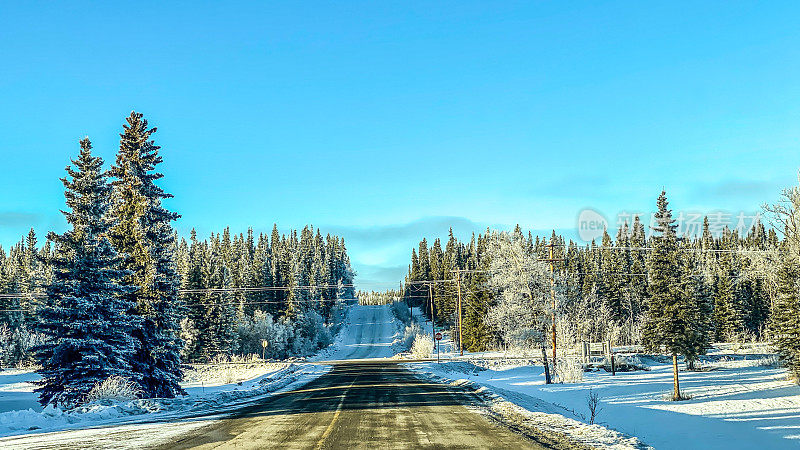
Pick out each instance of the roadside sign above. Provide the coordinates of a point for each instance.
(438, 336)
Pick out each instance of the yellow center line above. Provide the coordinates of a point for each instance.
(335, 415)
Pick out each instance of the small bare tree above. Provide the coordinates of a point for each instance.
(593, 402)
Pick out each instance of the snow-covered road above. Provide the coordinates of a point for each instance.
(369, 333)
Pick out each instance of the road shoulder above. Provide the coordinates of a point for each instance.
(547, 429)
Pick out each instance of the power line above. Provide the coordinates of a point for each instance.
(688, 249)
(430, 281)
(228, 303)
(208, 290)
(262, 288)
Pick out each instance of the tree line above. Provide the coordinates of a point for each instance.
(378, 297)
(721, 288)
(120, 295)
(302, 281)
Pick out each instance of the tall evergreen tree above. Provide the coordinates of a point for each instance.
(478, 300)
(610, 280)
(143, 233)
(217, 332)
(84, 318)
(195, 279)
(672, 316)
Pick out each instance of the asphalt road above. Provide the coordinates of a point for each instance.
(359, 405)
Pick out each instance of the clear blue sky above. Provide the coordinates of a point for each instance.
(384, 121)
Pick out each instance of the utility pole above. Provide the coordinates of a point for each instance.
(458, 288)
(433, 318)
(551, 259)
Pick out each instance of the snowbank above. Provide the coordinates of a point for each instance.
(739, 401)
(199, 401)
(530, 414)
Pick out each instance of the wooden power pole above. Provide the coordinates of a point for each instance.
(551, 260)
(433, 316)
(458, 289)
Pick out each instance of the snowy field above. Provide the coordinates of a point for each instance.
(16, 391)
(737, 403)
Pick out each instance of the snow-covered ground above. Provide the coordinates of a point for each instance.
(144, 422)
(736, 403)
(16, 390)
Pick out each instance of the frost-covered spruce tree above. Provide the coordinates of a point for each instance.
(84, 318)
(729, 310)
(675, 321)
(143, 233)
(196, 308)
(698, 310)
(162, 363)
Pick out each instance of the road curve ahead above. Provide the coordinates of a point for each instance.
(358, 405)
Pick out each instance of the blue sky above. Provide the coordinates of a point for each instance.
(387, 121)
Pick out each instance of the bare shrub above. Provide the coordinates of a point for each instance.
(626, 363)
(422, 347)
(567, 333)
(229, 376)
(114, 388)
(771, 361)
(568, 370)
(228, 369)
(593, 402)
(672, 398)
